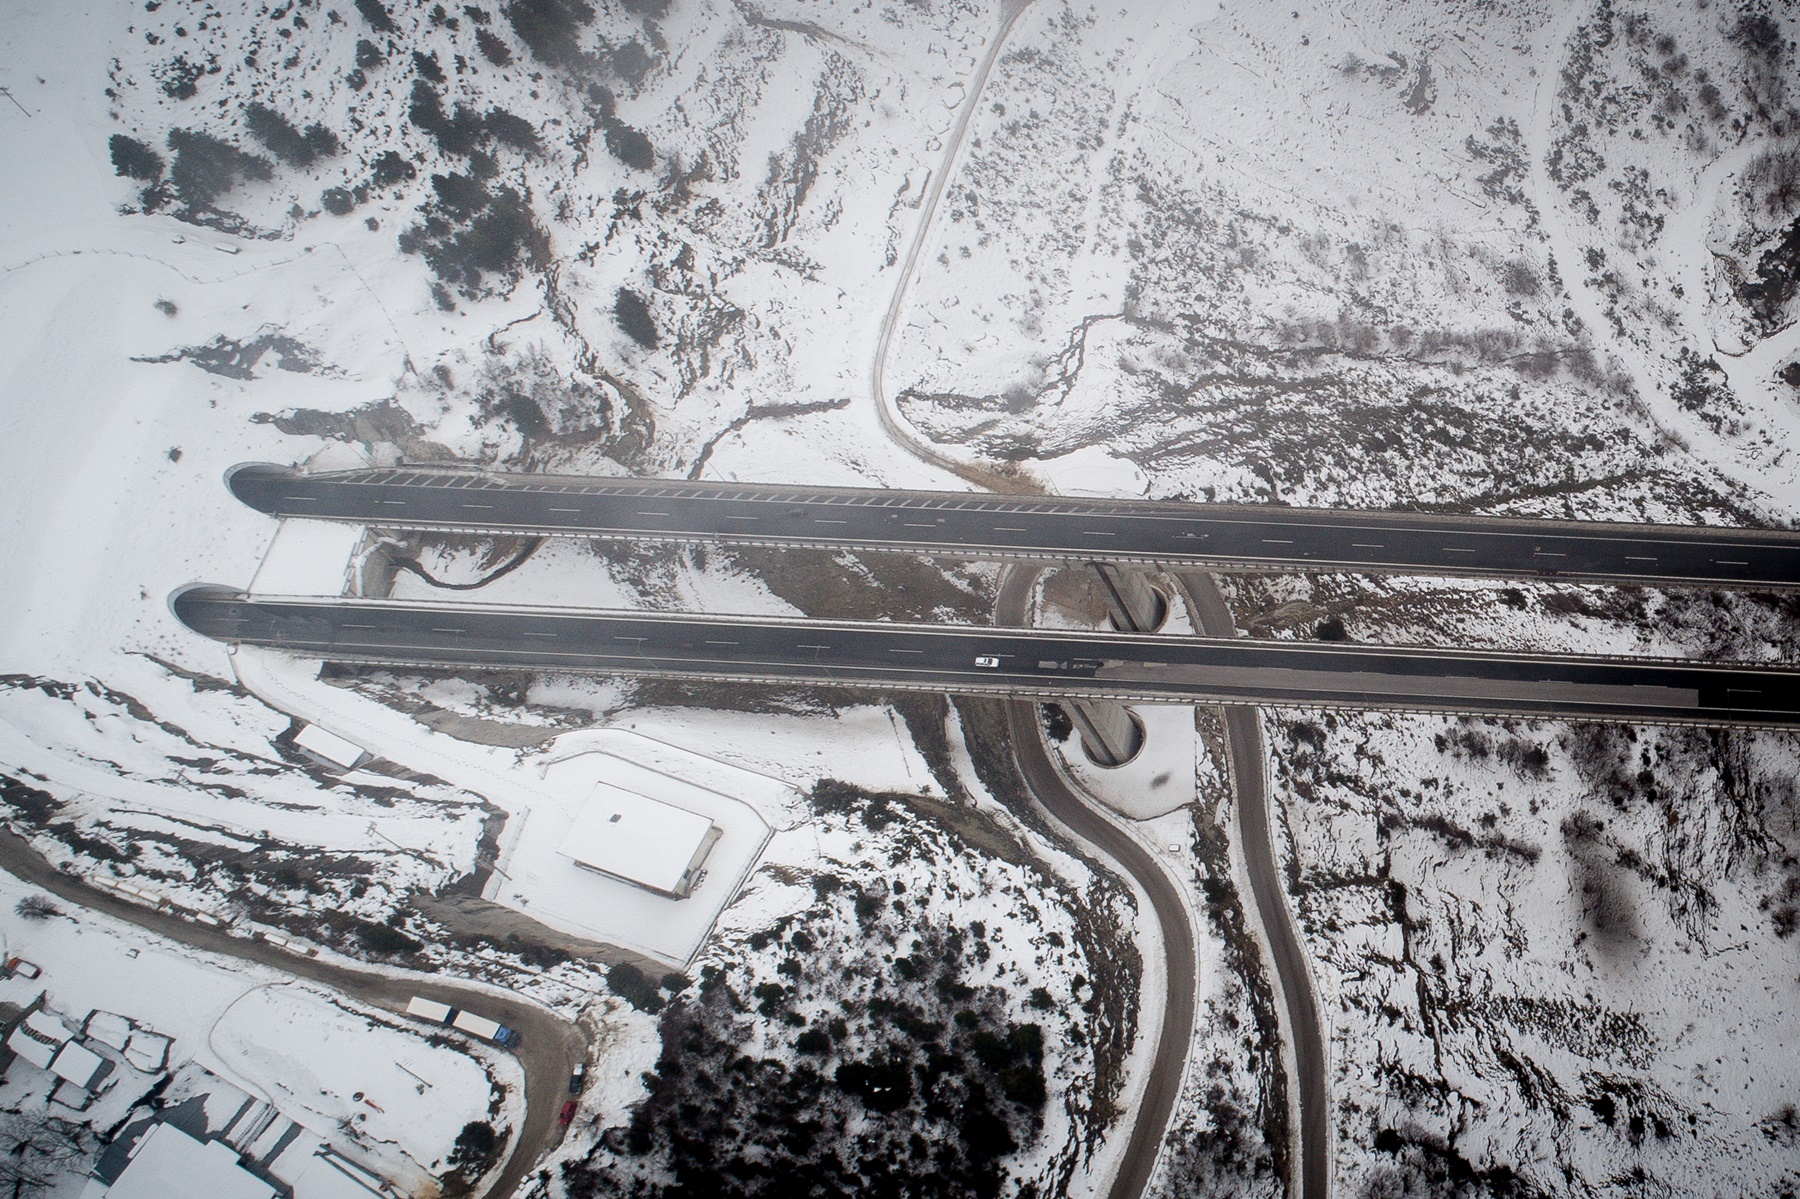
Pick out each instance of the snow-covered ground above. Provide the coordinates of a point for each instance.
(1502, 258)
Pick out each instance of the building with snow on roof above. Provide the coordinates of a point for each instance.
(640, 840)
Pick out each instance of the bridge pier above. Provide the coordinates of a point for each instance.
(1110, 734)
(1132, 603)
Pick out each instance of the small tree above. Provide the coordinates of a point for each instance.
(134, 159)
(37, 907)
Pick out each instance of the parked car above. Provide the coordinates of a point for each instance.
(578, 1079)
(566, 1114)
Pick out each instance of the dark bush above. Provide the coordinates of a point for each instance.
(476, 1143)
(814, 1041)
(390, 169)
(205, 168)
(368, 54)
(459, 134)
(337, 201)
(551, 29)
(461, 194)
(1017, 1059)
(492, 48)
(383, 938)
(629, 146)
(134, 159)
(427, 65)
(1057, 723)
(27, 803)
(1331, 629)
(493, 242)
(883, 1086)
(514, 131)
(376, 14)
(634, 987)
(287, 142)
(634, 318)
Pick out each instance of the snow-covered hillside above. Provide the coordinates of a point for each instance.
(1513, 257)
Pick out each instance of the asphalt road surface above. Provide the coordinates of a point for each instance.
(548, 1051)
(1305, 1024)
(1163, 1086)
(985, 660)
(1038, 528)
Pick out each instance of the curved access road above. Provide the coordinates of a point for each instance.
(1163, 1087)
(1305, 1023)
(548, 1052)
(1162, 533)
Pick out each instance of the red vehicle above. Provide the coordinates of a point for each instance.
(568, 1113)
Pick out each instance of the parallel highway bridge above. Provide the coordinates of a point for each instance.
(987, 660)
(1050, 528)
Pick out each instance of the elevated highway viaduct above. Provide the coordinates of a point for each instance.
(1044, 664)
(1162, 534)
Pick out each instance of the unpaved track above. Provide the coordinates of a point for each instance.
(548, 1053)
(1163, 1087)
(891, 420)
(1243, 739)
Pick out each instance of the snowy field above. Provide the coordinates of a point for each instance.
(1512, 258)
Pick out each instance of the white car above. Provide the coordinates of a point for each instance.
(989, 663)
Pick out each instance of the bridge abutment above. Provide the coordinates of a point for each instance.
(1133, 605)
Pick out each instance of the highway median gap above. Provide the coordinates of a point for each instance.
(1040, 663)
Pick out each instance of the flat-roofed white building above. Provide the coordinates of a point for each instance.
(329, 748)
(641, 840)
(167, 1162)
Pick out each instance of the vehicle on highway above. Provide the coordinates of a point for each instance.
(469, 1022)
(987, 661)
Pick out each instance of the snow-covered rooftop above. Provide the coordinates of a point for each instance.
(170, 1162)
(79, 1065)
(329, 746)
(37, 1039)
(639, 839)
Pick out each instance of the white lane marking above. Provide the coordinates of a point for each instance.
(1366, 545)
